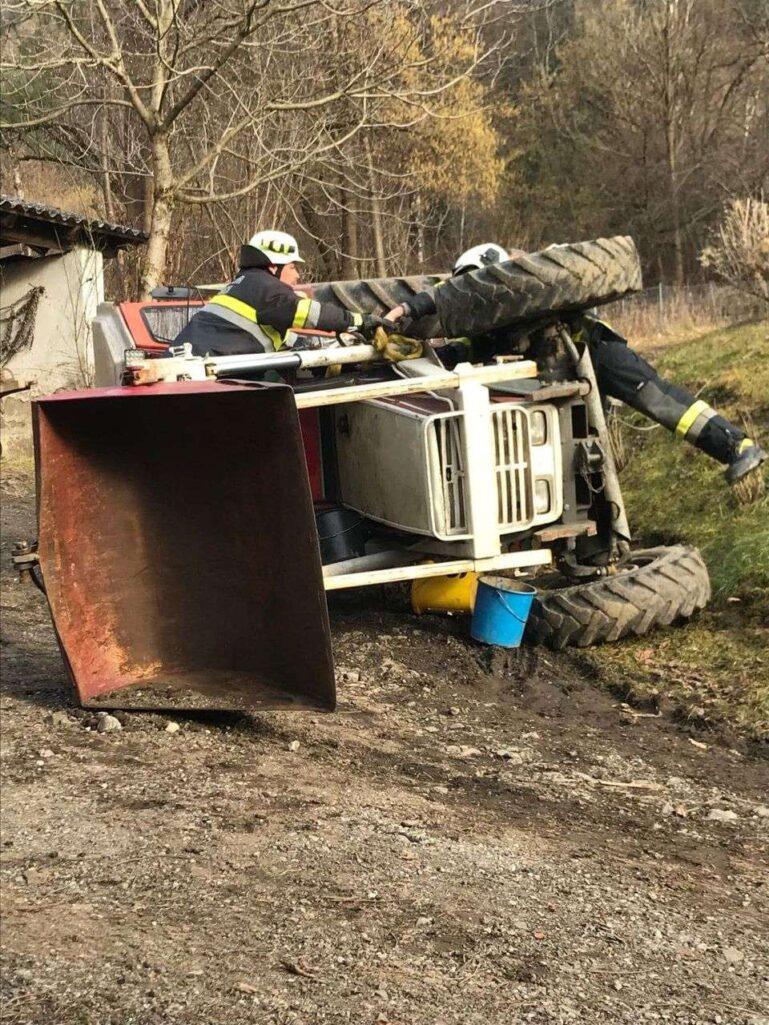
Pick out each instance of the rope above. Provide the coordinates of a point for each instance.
(17, 325)
(396, 348)
(393, 348)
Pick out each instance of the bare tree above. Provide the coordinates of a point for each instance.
(650, 114)
(213, 100)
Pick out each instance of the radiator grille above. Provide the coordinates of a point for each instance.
(511, 445)
(513, 473)
(452, 475)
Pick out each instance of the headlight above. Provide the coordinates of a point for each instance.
(538, 427)
(542, 501)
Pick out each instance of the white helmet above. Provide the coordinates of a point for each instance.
(480, 256)
(278, 246)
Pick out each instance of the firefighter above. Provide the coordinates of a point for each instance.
(255, 312)
(623, 374)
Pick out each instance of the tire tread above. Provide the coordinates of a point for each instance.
(673, 585)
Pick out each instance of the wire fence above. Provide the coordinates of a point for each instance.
(665, 309)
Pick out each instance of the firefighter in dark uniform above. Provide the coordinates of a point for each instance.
(623, 374)
(257, 311)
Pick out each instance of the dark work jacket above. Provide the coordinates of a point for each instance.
(254, 312)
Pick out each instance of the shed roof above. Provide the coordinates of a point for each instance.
(47, 227)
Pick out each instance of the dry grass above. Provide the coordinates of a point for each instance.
(739, 249)
(664, 316)
(619, 448)
(750, 489)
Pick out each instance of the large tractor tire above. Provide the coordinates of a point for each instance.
(653, 587)
(560, 279)
(380, 295)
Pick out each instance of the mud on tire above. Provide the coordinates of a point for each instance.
(655, 587)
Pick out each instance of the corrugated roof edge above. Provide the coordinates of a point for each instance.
(64, 218)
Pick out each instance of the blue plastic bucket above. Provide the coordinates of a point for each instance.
(502, 607)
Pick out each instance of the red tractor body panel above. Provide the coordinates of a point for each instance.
(138, 318)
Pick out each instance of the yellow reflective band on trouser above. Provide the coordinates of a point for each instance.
(236, 305)
(698, 410)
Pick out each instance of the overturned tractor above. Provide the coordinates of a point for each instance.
(195, 512)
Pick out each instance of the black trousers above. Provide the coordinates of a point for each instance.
(623, 374)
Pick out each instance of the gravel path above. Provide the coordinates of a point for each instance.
(471, 838)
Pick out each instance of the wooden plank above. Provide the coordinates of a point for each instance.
(549, 393)
(366, 563)
(559, 531)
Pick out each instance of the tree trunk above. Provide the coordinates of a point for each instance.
(156, 254)
(672, 32)
(376, 213)
(675, 205)
(349, 242)
(18, 187)
(420, 228)
(329, 270)
(105, 150)
(678, 247)
(147, 202)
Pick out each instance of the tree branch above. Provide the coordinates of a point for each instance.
(243, 32)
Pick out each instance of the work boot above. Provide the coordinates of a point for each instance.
(711, 433)
(721, 440)
(747, 456)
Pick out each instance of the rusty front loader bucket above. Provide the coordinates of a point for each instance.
(179, 550)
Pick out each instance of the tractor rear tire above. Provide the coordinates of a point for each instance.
(559, 279)
(653, 587)
(379, 296)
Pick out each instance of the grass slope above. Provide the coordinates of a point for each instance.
(715, 669)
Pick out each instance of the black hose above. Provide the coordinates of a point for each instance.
(37, 579)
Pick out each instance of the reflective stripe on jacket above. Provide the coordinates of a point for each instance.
(243, 316)
(265, 308)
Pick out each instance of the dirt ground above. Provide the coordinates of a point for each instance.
(471, 838)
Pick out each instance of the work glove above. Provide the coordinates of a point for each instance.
(366, 324)
(402, 323)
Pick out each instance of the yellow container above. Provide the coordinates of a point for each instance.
(455, 593)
